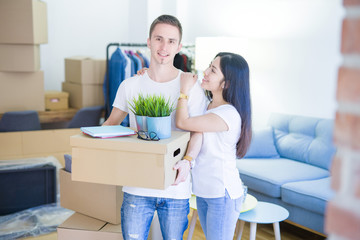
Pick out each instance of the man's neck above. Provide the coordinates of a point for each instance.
(162, 73)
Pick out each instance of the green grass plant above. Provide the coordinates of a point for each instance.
(152, 106)
(139, 106)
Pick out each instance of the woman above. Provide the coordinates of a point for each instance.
(226, 128)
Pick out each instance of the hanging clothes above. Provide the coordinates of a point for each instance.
(116, 74)
(146, 61)
(128, 72)
(136, 60)
(179, 62)
(122, 65)
(184, 59)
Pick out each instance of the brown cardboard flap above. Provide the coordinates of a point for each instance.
(56, 94)
(111, 228)
(80, 221)
(81, 227)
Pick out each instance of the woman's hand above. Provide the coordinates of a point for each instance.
(141, 71)
(183, 169)
(187, 81)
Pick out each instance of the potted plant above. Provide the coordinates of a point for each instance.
(157, 110)
(139, 107)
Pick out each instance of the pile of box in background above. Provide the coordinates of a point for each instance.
(84, 78)
(23, 26)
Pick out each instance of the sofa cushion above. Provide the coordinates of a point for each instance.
(321, 149)
(310, 195)
(305, 139)
(262, 144)
(268, 175)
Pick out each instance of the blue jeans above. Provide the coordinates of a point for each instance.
(137, 213)
(218, 216)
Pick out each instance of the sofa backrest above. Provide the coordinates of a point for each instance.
(305, 139)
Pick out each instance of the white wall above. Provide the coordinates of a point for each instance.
(293, 47)
(80, 28)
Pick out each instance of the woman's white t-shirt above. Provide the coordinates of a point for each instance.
(215, 167)
(130, 89)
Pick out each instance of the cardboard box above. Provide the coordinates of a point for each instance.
(24, 144)
(85, 70)
(55, 100)
(10, 144)
(19, 58)
(127, 161)
(82, 95)
(82, 227)
(23, 22)
(44, 141)
(91, 199)
(22, 91)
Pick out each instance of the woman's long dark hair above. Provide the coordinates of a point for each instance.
(237, 92)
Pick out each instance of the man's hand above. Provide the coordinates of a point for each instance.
(183, 169)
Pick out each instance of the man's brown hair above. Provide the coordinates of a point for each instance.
(167, 19)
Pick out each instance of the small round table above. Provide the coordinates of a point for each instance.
(264, 213)
(249, 203)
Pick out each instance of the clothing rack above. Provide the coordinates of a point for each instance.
(130, 45)
(107, 110)
(119, 45)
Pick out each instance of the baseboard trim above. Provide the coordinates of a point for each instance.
(306, 228)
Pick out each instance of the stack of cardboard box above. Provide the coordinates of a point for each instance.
(84, 78)
(100, 167)
(96, 206)
(23, 26)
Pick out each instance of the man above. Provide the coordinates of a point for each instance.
(162, 77)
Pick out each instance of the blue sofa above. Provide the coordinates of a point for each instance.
(288, 163)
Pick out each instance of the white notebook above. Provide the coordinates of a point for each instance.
(108, 131)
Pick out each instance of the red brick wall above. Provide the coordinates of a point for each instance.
(343, 213)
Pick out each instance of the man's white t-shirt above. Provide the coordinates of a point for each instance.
(215, 167)
(197, 102)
